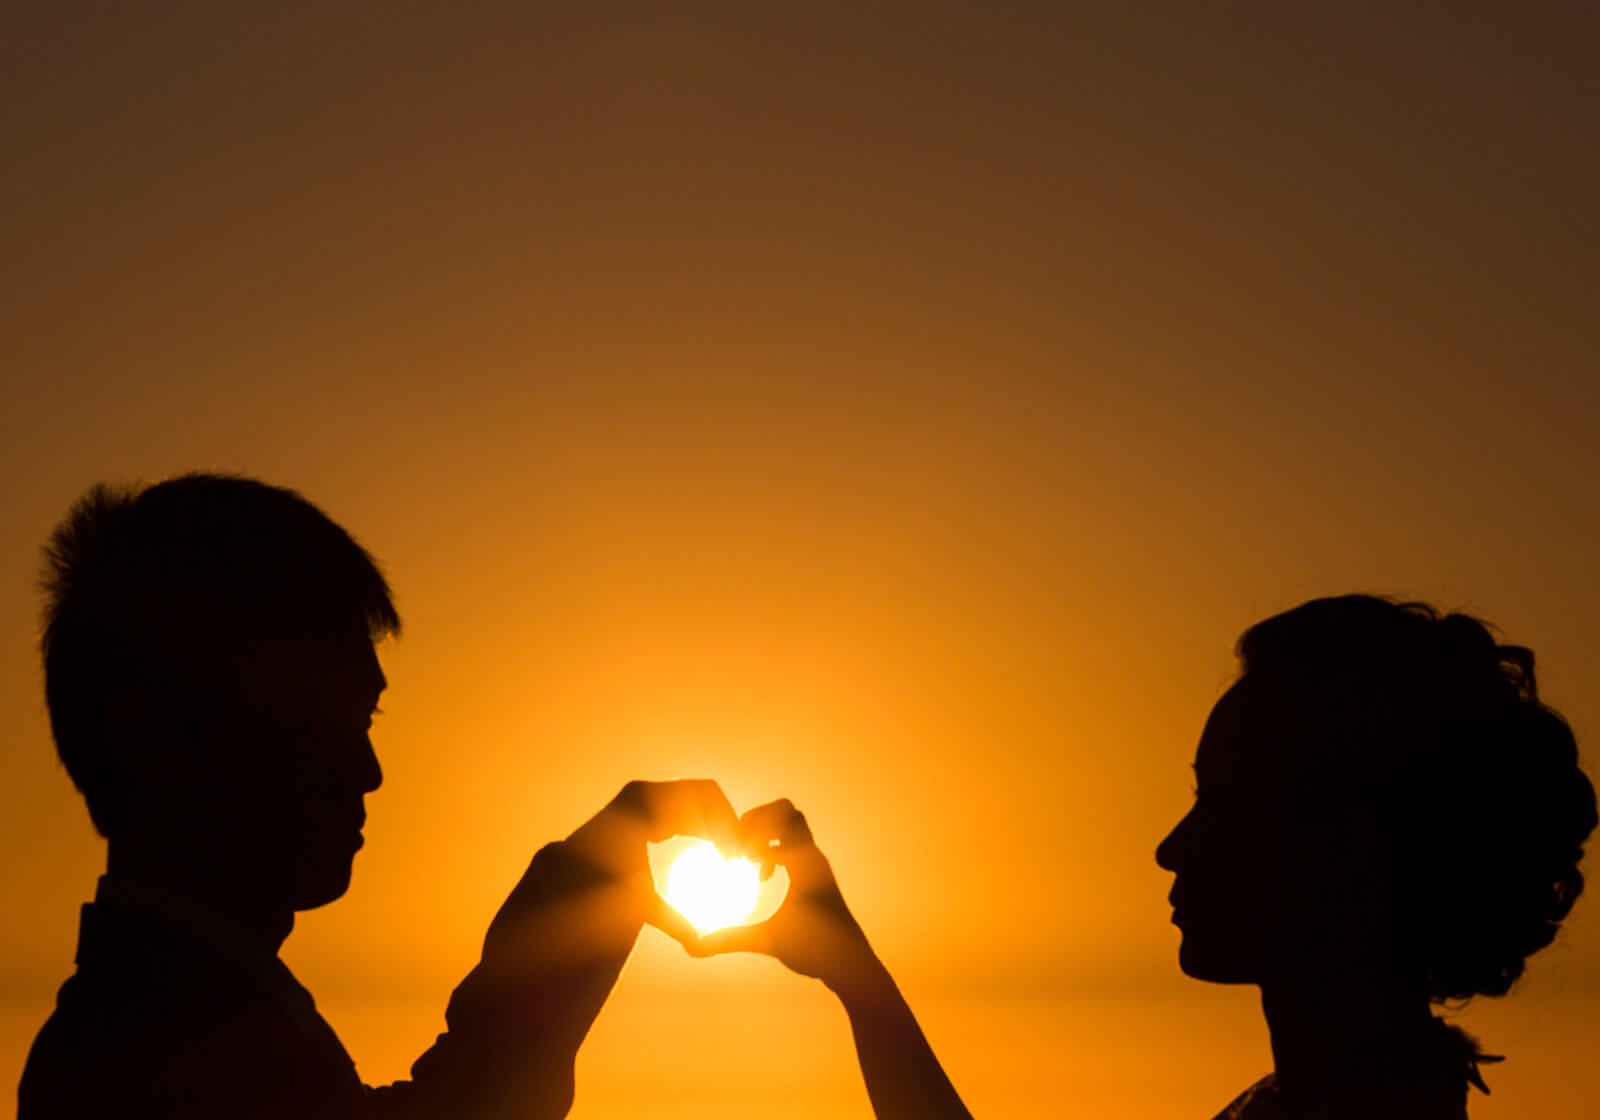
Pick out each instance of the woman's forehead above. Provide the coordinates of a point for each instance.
(1251, 733)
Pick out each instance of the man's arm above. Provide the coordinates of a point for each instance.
(550, 959)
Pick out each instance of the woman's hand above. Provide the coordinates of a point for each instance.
(813, 931)
(814, 934)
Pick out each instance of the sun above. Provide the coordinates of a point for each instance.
(710, 889)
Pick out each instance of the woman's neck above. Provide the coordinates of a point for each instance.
(1333, 1035)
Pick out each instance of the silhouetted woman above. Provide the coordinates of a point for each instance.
(1386, 818)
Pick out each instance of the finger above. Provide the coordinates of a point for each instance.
(755, 938)
(775, 822)
(796, 832)
(718, 821)
(808, 869)
(691, 807)
(666, 918)
(777, 833)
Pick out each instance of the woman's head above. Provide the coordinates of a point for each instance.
(1382, 782)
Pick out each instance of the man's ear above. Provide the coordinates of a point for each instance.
(148, 759)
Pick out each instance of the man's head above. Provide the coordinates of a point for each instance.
(210, 674)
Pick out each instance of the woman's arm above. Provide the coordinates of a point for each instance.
(814, 934)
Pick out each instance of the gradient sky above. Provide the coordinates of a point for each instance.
(900, 408)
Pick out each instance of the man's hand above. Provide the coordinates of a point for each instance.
(554, 952)
(614, 840)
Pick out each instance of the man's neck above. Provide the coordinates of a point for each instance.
(229, 895)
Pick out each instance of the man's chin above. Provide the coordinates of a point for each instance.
(310, 894)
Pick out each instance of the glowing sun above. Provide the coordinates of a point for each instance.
(710, 889)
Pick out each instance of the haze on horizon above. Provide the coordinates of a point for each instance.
(901, 409)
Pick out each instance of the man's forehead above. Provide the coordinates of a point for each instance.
(317, 666)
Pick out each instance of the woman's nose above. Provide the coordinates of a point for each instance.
(1170, 851)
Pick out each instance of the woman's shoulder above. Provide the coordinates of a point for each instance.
(1259, 1102)
(1262, 1101)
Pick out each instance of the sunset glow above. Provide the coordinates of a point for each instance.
(899, 410)
(710, 889)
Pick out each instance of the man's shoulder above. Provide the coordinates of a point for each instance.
(154, 1023)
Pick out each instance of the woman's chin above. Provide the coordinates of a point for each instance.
(1216, 964)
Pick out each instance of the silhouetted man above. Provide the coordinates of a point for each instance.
(211, 676)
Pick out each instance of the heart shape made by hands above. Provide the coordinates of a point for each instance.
(712, 890)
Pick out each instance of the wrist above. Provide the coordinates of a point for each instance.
(568, 870)
(864, 984)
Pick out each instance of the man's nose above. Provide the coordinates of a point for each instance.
(367, 773)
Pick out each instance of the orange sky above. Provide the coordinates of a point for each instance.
(901, 410)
